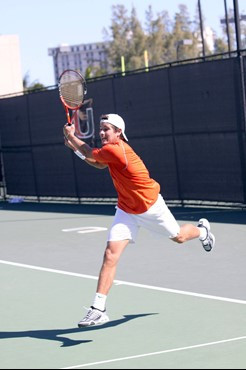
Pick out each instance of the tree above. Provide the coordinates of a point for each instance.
(136, 43)
(93, 71)
(33, 86)
(157, 36)
(231, 34)
(220, 46)
(161, 38)
(165, 40)
(118, 37)
(182, 30)
(127, 39)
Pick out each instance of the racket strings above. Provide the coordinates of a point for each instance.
(72, 89)
(72, 93)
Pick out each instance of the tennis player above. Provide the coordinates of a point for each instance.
(140, 204)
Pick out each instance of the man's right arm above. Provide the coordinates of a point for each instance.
(78, 145)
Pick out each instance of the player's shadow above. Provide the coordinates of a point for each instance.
(59, 334)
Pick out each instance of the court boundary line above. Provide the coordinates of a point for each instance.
(119, 282)
(156, 353)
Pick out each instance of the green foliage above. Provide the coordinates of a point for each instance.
(220, 46)
(92, 71)
(164, 39)
(33, 86)
(157, 36)
(128, 39)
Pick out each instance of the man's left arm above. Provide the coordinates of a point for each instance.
(80, 145)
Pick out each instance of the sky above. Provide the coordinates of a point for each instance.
(49, 23)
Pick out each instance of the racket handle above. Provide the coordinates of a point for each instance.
(68, 116)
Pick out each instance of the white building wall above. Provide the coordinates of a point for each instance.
(10, 65)
(78, 57)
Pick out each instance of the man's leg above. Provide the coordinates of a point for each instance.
(111, 258)
(187, 232)
(201, 231)
(97, 312)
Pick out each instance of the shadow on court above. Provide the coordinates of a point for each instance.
(221, 215)
(58, 334)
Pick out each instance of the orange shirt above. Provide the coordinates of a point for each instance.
(137, 192)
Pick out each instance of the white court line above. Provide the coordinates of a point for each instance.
(155, 353)
(119, 282)
(85, 229)
(205, 211)
(47, 269)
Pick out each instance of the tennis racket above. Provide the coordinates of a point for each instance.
(72, 90)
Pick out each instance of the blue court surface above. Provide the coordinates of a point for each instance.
(171, 306)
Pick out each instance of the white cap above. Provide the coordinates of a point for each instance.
(115, 120)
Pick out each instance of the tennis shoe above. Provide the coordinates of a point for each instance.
(93, 317)
(209, 241)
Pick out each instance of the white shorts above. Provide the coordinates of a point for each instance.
(158, 219)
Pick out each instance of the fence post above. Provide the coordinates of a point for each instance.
(2, 171)
(31, 148)
(174, 139)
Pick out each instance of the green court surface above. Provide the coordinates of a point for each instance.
(170, 312)
(39, 311)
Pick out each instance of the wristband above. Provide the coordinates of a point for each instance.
(80, 155)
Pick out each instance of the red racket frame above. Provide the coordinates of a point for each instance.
(66, 106)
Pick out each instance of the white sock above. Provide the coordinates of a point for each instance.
(100, 301)
(203, 233)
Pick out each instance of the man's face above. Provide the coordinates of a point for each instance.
(108, 133)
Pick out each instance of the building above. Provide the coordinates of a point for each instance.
(10, 65)
(79, 57)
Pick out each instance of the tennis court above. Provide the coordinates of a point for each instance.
(172, 306)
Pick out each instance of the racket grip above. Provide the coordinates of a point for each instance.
(68, 116)
(68, 120)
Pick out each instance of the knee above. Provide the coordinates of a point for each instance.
(109, 257)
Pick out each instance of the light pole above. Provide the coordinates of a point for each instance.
(234, 19)
(201, 27)
(237, 26)
(227, 28)
(180, 43)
